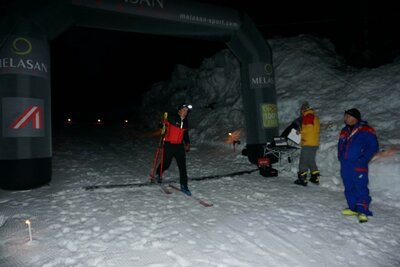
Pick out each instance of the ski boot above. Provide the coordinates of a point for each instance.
(315, 176)
(159, 179)
(301, 178)
(362, 218)
(185, 189)
(349, 212)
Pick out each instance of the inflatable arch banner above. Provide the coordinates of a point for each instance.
(25, 95)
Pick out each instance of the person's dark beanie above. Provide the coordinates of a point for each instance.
(305, 106)
(354, 113)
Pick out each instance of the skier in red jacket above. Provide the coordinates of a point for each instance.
(176, 143)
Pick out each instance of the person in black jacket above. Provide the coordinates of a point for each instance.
(296, 124)
(176, 143)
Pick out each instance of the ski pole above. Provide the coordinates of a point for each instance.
(154, 163)
(162, 160)
(160, 146)
(156, 157)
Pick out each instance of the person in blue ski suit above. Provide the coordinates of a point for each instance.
(356, 147)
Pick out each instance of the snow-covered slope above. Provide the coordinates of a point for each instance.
(306, 69)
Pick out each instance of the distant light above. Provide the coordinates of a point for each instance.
(99, 121)
(126, 121)
(69, 120)
(233, 137)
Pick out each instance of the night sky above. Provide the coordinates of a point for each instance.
(99, 72)
(103, 73)
(364, 32)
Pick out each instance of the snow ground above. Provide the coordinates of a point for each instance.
(255, 221)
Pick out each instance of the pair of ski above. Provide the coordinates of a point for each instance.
(166, 190)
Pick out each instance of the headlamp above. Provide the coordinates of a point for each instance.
(188, 106)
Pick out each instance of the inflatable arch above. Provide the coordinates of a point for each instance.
(25, 94)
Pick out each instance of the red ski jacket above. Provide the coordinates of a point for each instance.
(177, 130)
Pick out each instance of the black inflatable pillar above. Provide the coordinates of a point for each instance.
(258, 87)
(25, 105)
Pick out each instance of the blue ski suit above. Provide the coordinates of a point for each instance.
(356, 147)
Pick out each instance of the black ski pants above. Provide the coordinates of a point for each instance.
(176, 151)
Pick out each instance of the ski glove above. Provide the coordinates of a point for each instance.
(187, 147)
